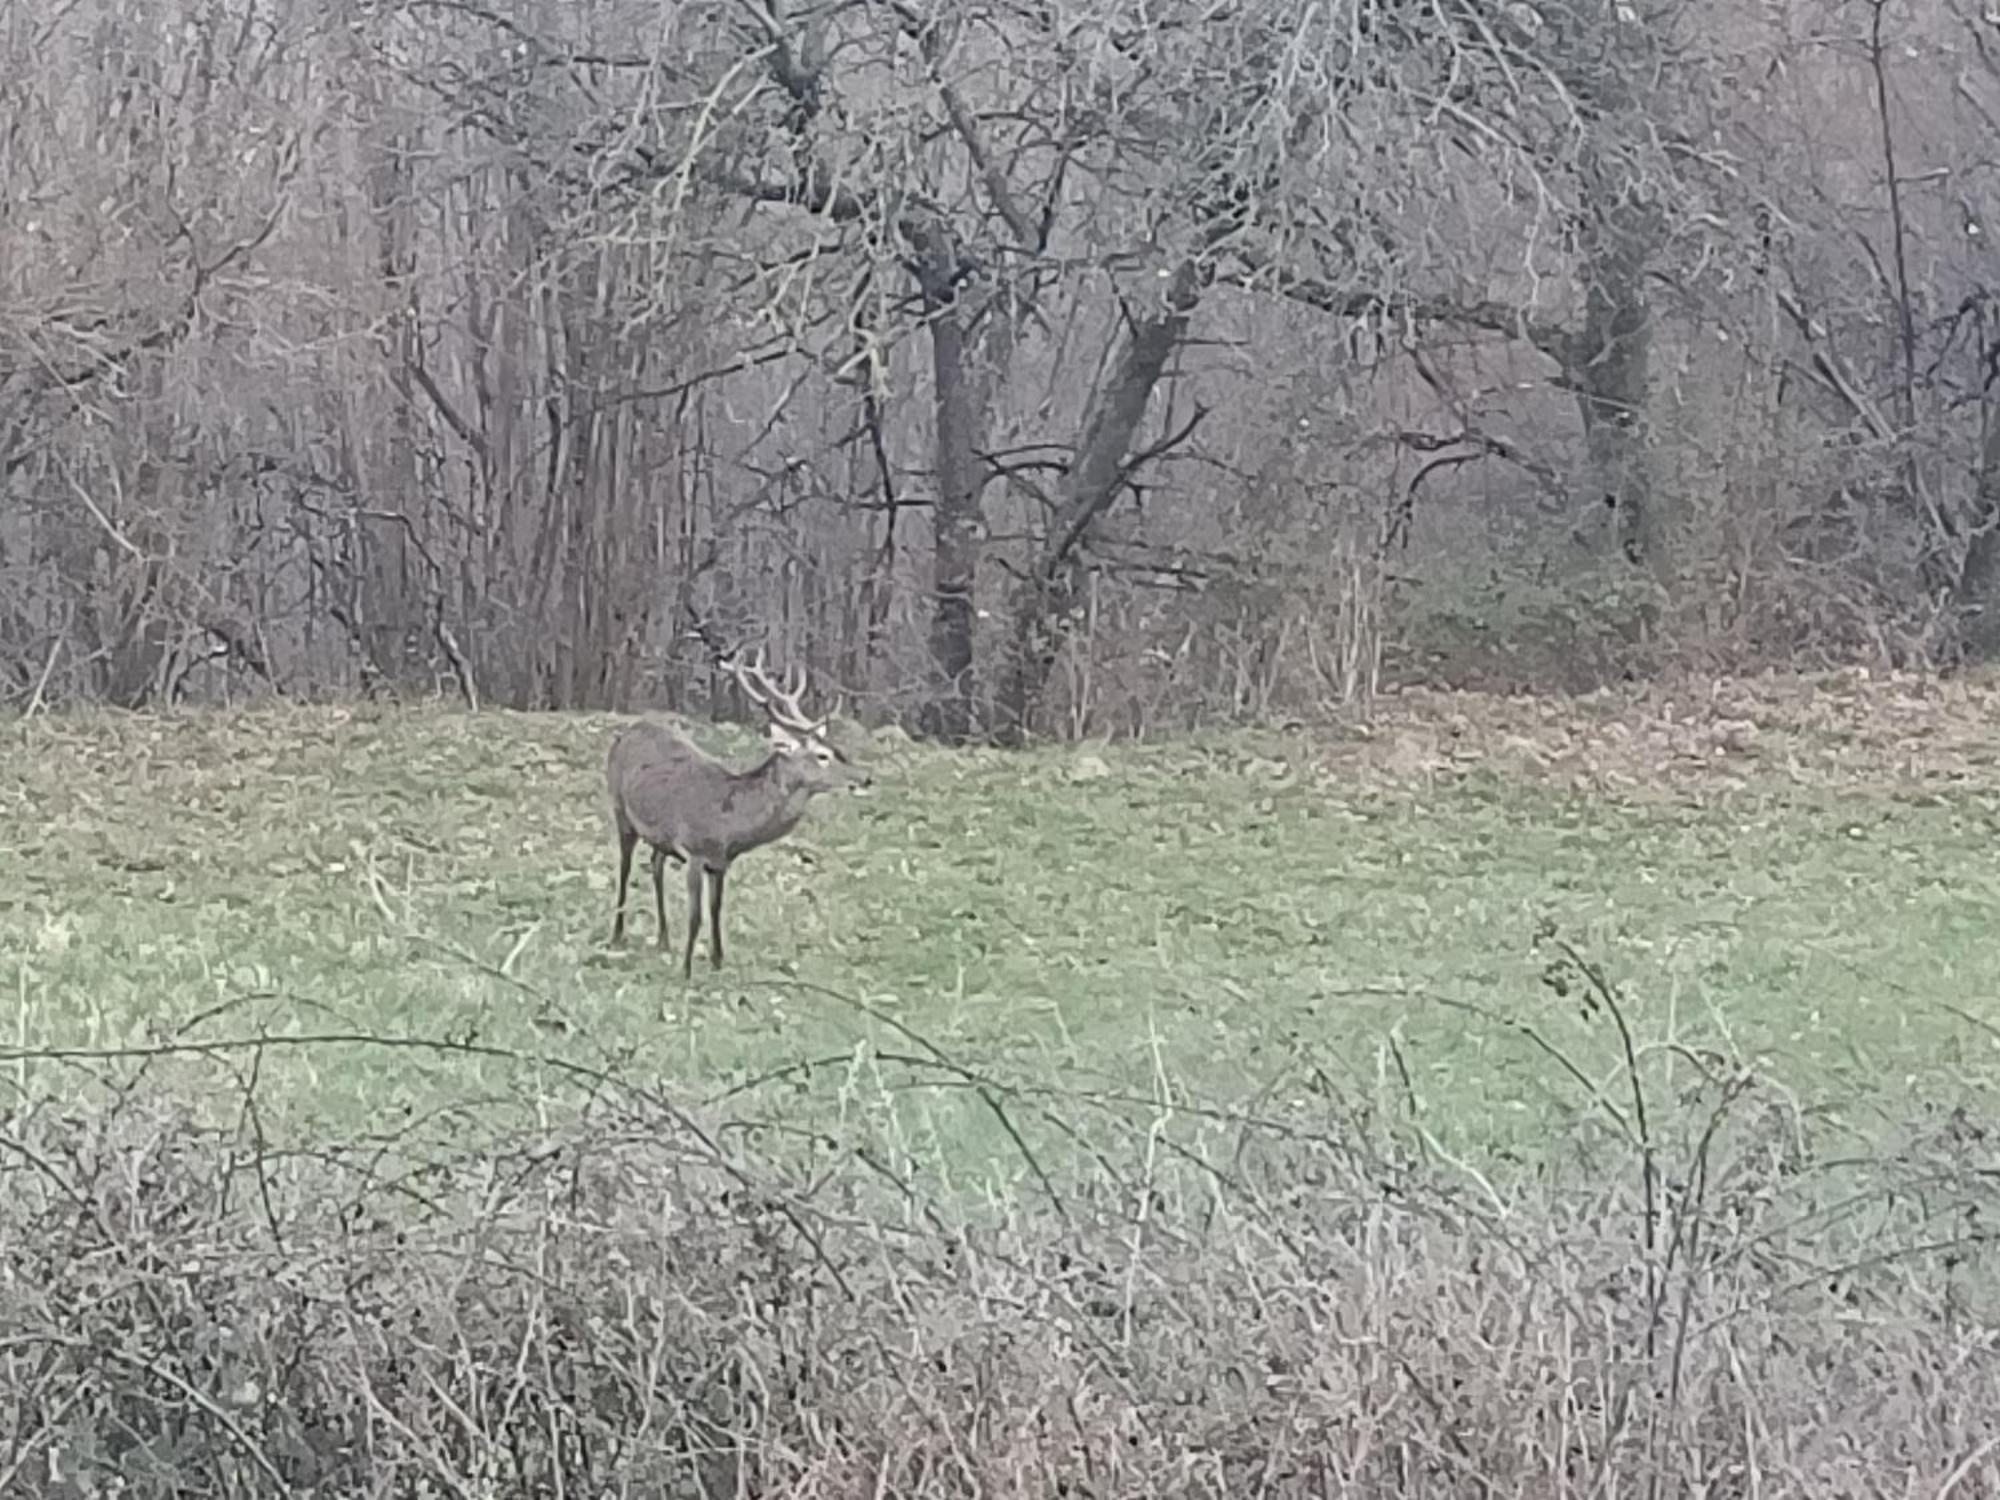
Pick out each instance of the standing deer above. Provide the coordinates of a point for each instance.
(697, 811)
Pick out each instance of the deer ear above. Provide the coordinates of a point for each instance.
(783, 738)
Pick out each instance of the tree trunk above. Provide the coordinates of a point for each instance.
(955, 547)
(1096, 478)
(964, 368)
(1609, 366)
(1976, 592)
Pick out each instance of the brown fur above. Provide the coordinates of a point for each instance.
(690, 807)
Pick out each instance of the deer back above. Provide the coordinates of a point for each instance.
(676, 796)
(658, 780)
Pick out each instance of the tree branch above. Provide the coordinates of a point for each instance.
(1101, 467)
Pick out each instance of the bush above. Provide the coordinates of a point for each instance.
(1688, 1296)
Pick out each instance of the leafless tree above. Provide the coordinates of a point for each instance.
(1020, 365)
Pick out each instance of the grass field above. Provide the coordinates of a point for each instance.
(1239, 920)
(1202, 1118)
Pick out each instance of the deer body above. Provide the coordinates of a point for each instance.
(691, 808)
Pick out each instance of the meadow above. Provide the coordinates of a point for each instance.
(1499, 1097)
(1226, 921)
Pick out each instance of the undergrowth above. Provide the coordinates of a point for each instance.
(1697, 1288)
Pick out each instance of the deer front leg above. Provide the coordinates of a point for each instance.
(715, 916)
(694, 916)
(627, 840)
(660, 893)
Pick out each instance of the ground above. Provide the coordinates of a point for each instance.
(1795, 874)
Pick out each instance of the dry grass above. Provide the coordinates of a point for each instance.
(1839, 728)
(1297, 1304)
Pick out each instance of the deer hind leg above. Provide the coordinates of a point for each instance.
(660, 893)
(715, 917)
(694, 916)
(628, 839)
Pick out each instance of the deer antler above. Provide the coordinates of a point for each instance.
(781, 704)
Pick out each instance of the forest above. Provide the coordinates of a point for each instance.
(1024, 367)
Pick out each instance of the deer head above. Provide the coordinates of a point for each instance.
(802, 749)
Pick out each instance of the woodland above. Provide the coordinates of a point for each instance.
(1021, 367)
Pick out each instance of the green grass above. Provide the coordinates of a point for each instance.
(1213, 921)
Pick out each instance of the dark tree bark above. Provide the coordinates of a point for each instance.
(1976, 593)
(1609, 365)
(1096, 477)
(957, 409)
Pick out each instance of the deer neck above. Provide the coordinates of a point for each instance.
(768, 803)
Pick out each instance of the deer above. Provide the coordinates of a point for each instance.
(698, 812)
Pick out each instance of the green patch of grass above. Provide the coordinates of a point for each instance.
(1216, 920)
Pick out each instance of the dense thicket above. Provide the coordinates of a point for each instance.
(1718, 1297)
(1023, 365)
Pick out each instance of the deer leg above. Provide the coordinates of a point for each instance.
(715, 917)
(628, 839)
(694, 916)
(660, 893)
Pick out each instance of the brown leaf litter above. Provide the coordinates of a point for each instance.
(1824, 729)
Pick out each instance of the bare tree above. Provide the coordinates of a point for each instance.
(1040, 159)
(1017, 366)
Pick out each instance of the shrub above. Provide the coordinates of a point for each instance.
(1688, 1295)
